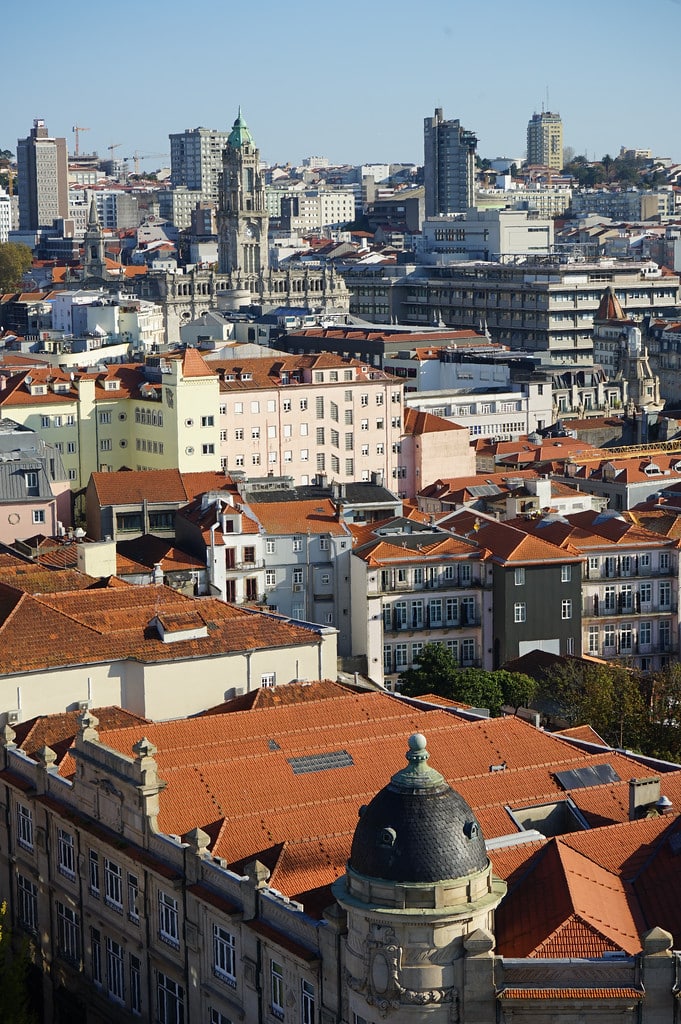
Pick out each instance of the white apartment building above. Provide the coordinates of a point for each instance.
(317, 209)
(483, 235)
(5, 215)
(503, 414)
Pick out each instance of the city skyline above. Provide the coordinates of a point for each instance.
(352, 85)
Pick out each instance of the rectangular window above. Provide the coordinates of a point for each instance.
(207, 421)
(519, 611)
(609, 636)
(135, 984)
(66, 857)
(593, 640)
(27, 899)
(664, 561)
(452, 610)
(170, 997)
(239, 434)
(665, 594)
(401, 660)
(104, 417)
(133, 898)
(610, 601)
(565, 573)
(168, 920)
(348, 417)
(646, 593)
(255, 433)
(115, 982)
(71, 447)
(24, 827)
(113, 884)
(417, 614)
(208, 449)
(626, 638)
(96, 955)
(224, 955)
(277, 989)
(319, 408)
(94, 873)
(645, 633)
(349, 467)
(468, 651)
(566, 609)
(297, 544)
(270, 578)
(519, 577)
(68, 944)
(303, 404)
(297, 576)
(270, 546)
(664, 633)
(435, 612)
(105, 445)
(307, 1003)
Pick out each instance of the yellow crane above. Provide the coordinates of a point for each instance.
(77, 129)
(137, 156)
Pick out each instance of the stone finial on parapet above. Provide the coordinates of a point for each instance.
(87, 723)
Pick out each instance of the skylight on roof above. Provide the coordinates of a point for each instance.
(320, 762)
(581, 778)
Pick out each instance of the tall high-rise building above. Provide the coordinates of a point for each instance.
(449, 165)
(42, 179)
(545, 140)
(196, 160)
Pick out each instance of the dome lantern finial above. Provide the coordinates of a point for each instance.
(418, 774)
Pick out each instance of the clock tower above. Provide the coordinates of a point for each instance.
(242, 213)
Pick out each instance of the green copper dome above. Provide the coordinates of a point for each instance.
(240, 135)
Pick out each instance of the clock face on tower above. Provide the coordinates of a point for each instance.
(249, 232)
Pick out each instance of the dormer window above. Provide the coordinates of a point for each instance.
(112, 385)
(32, 489)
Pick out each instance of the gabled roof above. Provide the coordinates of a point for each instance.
(155, 485)
(417, 423)
(231, 774)
(194, 365)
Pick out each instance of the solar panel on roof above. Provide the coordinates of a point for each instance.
(484, 490)
(320, 762)
(581, 778)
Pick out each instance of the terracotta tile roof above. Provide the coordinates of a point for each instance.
(194, 365)
(583, 907)
(304, 516)
(113, 623)
(390, 552)
(34, 579)
(302, 825)
(571, 994)
(417, 423)
(155, 485)
(58, 731)
(143, 553)
(583, 732)
(276, 696)
(504, 542)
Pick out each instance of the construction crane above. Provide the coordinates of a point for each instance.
(114, 146)
(137, 156)
(77, 129)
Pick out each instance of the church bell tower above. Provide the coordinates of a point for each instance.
(242, 212)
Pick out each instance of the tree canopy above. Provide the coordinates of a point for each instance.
(15, 260)
(15, 968)
(438, 672)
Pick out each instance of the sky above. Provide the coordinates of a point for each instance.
(351, 81)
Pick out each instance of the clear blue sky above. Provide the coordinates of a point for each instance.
(351, 81)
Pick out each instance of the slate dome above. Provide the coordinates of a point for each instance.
(417, 829)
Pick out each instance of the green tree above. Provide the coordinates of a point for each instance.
(435, 673)
(15, 260)
(607, 697)
(518, 690)
(15, 967)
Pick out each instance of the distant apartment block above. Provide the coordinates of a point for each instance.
(42, 178)
(449, 165)
(545, 140)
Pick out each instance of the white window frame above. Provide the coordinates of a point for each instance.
(277, 989)
(224, 955)
(168, 920)
(66, 854)
(25, 826)
(113, 885)
(520, 611)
